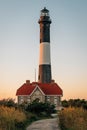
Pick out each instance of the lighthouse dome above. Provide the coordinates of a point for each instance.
(44, 12)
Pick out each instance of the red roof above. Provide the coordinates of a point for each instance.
(47, 88)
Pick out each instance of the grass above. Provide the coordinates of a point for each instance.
(16, 119)
(73, 119)
(11, 119)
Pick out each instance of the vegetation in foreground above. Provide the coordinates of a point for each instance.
(10, 118)
(17, 117)
(73, 119)
(74, 114)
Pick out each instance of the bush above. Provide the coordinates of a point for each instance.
(73, 119)
(40, 108)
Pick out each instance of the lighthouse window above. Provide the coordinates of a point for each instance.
(44, 14)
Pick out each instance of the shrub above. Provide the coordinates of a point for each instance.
(40, 108)
(73, 119)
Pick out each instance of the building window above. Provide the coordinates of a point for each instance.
(55, 101)
(59, 101)
(21, 99)
(28, 99)
(48, 98)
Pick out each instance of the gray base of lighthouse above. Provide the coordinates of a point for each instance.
(44, 74)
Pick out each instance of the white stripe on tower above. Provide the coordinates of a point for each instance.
(44, 53)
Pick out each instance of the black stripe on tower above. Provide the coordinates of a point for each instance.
(44, 74)
(44, 26)
(44, 33)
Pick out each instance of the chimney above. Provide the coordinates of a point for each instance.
(52, 81)
(27, 82)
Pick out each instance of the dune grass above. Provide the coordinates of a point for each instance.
(10, 118)
(73, 119)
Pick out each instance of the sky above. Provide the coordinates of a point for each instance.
(19, 45)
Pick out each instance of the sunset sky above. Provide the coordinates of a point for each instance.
(19, 45)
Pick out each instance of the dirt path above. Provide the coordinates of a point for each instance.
(47, 124)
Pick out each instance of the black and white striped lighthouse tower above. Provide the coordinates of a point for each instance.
(44, 59)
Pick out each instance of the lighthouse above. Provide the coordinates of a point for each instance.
(44, 75)
(45, 90)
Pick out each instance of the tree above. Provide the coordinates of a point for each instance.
(65, 103)
(75, 103)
